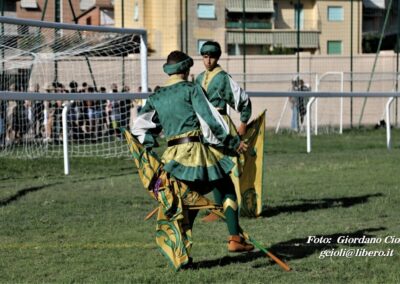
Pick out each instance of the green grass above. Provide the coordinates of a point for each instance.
(88, 227)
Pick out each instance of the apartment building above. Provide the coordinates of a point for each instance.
(52, 11)
(271, 26)
(374, 15)
(86, 12)
(315, 26)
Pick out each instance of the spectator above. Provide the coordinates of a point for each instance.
(38, 114)
(74, 113)
(3, 111)
(57, 115)
(90, 118)
(114, 112)
(19, 119)
(49, 114)
(125, 108)
(298, 104)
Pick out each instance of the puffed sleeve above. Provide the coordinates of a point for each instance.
(147, 125)
(214, 128)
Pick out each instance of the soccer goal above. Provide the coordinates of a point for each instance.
(88, 74)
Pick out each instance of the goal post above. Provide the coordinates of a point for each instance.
(94, 70)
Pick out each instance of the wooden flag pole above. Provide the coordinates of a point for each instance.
(256, 244)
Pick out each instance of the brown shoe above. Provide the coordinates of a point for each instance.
(210, 218)
(237, 244)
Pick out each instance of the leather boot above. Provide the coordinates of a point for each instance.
(237, 244)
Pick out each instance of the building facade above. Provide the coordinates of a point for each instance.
(271, 27)
(375, 12)
(52, 11)
(85, 12)
(322, 27)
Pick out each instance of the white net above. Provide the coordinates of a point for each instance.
(39, 59)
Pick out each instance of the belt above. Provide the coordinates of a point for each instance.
(183, 140)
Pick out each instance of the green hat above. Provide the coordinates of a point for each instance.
(211, 48)
(179, 67)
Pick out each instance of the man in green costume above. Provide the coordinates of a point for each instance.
(180, 108)
(222, 91)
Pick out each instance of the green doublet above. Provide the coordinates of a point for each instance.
(194, 161)
(181, 109)
(222, 90)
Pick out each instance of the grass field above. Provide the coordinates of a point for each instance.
(88, 227)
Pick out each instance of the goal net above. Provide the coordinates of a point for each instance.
(96, 71)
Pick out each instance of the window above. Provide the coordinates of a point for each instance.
(206, 11)
(29, 4)
(136, 12)
(335, 13)
(86, 4)
(334, 47)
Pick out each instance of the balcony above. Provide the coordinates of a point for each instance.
(291, 24)
(308, 39)
(249, 25)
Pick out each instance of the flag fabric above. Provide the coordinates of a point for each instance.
(173, 230)
(248, 173)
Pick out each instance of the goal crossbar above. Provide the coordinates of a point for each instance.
(66, 26)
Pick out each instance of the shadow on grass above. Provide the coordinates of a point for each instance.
(299, 248)
(96, 178)
(25, 191)
(227, 260)
(290, 250)
(315, 204)
(21, 193)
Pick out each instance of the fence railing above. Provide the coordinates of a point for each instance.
(312, 96)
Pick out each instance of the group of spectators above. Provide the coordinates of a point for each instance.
(88, 120)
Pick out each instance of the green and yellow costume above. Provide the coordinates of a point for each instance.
(174, 229)
(222, 91)
(181, 110)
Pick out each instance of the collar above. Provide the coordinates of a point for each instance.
(209, 75)
(172, 80)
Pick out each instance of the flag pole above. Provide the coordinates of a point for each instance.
(283, 265)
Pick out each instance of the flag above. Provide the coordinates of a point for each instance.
(173, 230)
(248, 173)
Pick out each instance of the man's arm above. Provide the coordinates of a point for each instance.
(237, 98)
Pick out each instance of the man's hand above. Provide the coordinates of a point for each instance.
(242, 129)
(242, 147)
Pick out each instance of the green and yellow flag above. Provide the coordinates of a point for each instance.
(173, 231)
(248, 172)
